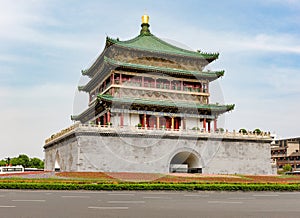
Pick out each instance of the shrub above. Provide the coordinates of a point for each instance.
(149, 186)
(221, 130)
(287, 168)
(243, 131)
(257, 131)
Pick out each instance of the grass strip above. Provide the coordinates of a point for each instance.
(150, 187)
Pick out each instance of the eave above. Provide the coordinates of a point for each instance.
(212, 108)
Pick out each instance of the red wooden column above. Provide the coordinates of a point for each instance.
(177, 123)
(112, 79)
(122, 119)
(215, 125)
(104, 118)
(108, 116)
(204, 124)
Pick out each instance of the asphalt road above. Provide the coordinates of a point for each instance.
(84, 204)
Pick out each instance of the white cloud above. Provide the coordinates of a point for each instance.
(233, 42)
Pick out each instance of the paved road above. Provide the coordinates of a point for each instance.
(84, 204)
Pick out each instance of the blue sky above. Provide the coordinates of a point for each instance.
(44, 44)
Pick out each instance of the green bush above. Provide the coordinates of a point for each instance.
(257, 131)
(221, 130)
(151, 186)
(287, 168)
(243, 131)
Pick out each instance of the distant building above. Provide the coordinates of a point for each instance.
(286, 151)
(149, 111)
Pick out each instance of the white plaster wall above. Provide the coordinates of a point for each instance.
(115, 120)
(192, 122)
(126, 119)
(134, 119)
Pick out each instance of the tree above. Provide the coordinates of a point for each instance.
(21, 160)
(24, 160)
(3, 163)
(36, 163)
(287, 168)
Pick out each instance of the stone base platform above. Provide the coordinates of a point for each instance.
(108, 149)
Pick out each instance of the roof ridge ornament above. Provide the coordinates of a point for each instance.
(145, 25)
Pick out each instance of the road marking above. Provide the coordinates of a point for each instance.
(266, 195)
(202, 196)
(148, 197)
(161, 193)
(224, 202)
(4, 206)
(121, 194)
(109, 208)
(237, 198)
(126, 202)
(290, 193)
(74, 196)
(30, 200)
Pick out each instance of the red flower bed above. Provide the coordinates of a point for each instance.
(124, 176)
(275, 179)
(84, 175)
(180, 178)
(204, 179)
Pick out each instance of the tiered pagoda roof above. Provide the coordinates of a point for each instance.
(151, 43)
(147, 54)
(148, 43)
(109, 63)
(167, 103)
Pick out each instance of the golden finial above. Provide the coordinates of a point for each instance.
(145, 19)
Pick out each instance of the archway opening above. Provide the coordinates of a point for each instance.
(56, 164)
(185, 162)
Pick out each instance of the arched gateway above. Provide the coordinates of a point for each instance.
(185, 162)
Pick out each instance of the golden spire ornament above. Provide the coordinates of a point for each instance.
(145, 18)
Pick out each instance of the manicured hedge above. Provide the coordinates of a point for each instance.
(149, 186)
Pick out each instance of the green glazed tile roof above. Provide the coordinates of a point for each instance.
(149, 42)
(164, 103)
(212, 75)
